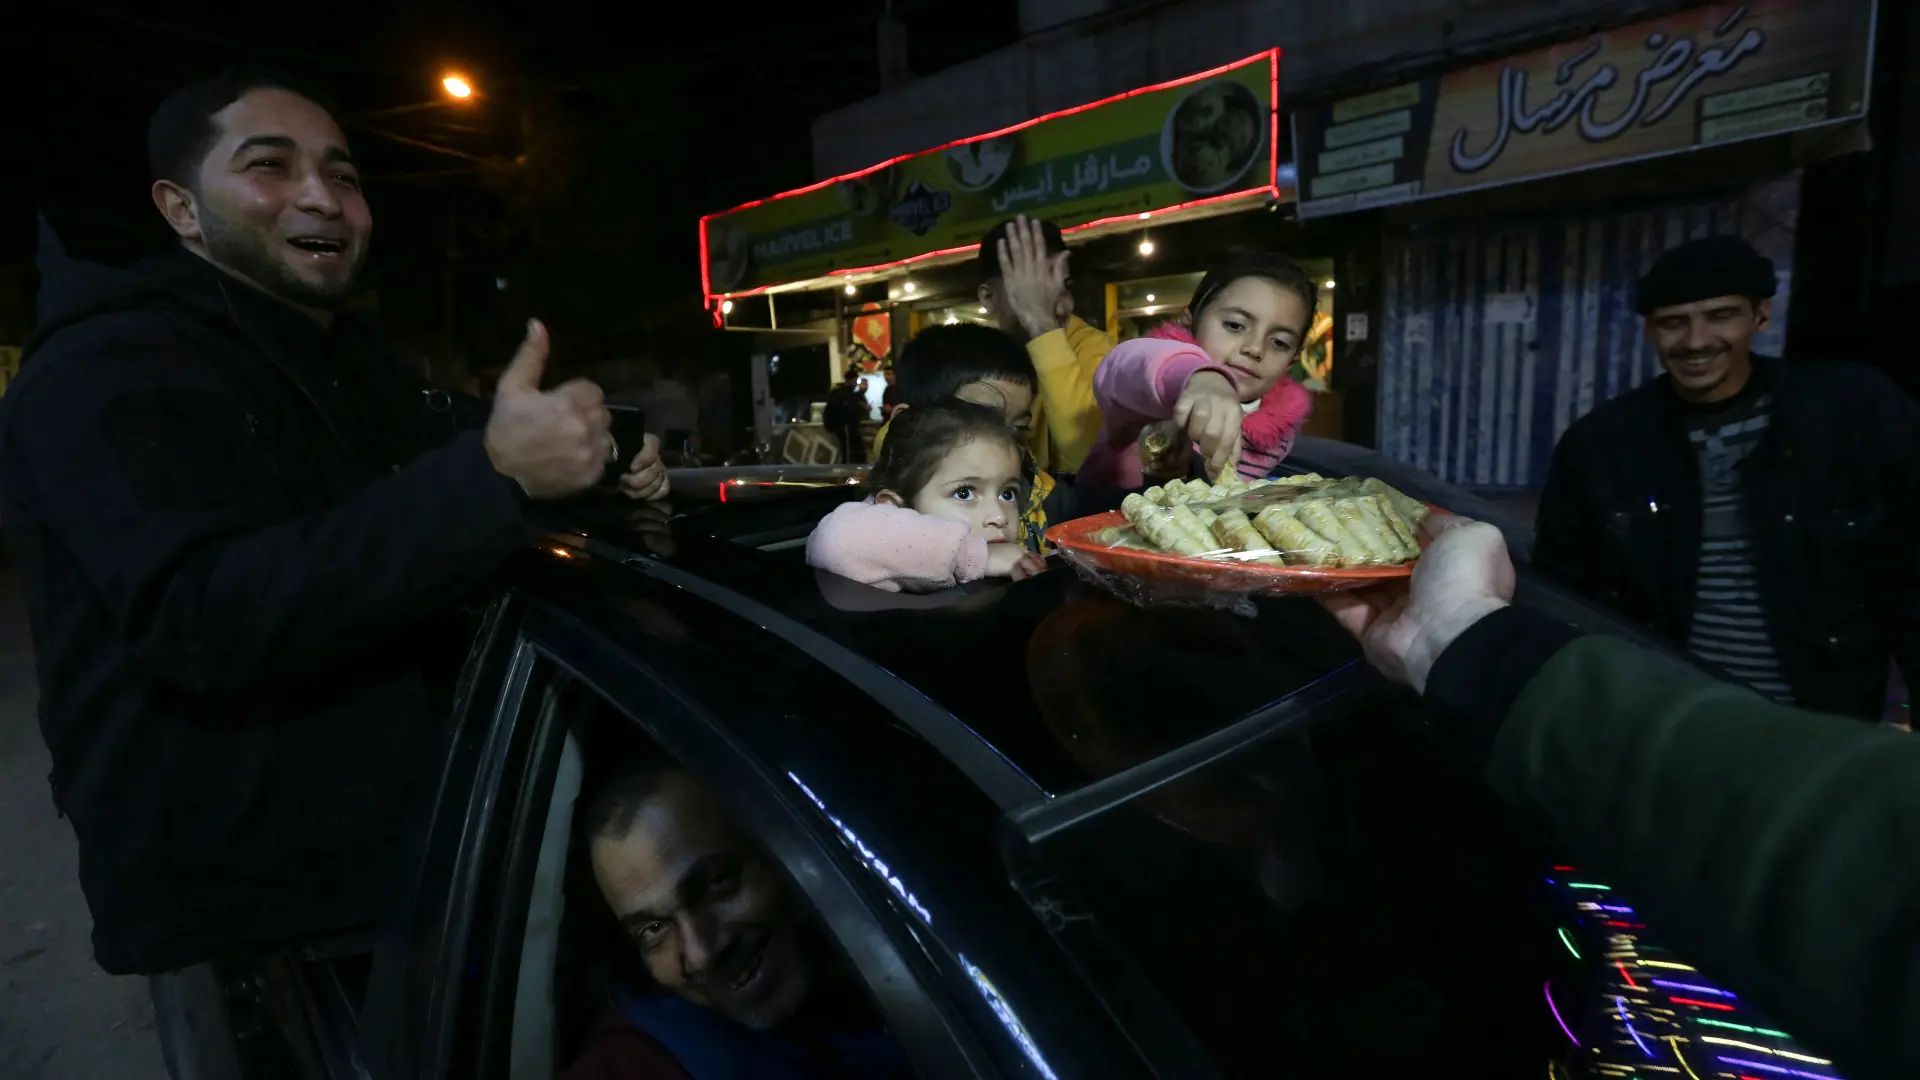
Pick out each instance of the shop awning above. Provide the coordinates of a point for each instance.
(1192, 147)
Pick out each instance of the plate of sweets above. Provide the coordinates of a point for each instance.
(1295, 534)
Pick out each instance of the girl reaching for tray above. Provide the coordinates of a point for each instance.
(944, 507)
(1218, 372)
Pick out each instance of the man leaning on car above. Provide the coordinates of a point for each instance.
(235, 520)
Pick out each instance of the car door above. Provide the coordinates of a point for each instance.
(465, 996)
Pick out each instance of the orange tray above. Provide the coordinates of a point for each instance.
(1079, 537)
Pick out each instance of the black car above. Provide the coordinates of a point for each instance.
(1054, 835)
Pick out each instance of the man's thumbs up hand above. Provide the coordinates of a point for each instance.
(554, 443)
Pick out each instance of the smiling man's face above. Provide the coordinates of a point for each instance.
(277, 201)
(704, 906)
(1707, 345)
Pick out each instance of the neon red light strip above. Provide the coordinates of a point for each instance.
(912, 260)
(1624, 975)
(1701, 1004)
(1273, 154)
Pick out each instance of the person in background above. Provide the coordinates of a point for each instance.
(846, 408)
(1778, 850)
(890, 403)
(236, 610)
(1218, 373)
(944, 507)
(744, 982)
(1765, 514)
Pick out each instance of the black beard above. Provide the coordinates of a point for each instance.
(245, 253)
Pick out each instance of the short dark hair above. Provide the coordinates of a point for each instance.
(1270, 265)
(615, 797)
(181, 131)
(942, 359)
(990, 245)
(923, 436)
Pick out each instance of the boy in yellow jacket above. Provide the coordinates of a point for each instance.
(1024, 287)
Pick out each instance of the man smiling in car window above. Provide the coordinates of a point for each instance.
(745, 983)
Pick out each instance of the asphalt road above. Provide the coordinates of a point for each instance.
(61, 1018)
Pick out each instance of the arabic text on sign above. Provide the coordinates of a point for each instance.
(1674, 56)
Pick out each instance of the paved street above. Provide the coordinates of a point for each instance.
(60, 1017)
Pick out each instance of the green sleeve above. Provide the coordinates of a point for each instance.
(1777, 849)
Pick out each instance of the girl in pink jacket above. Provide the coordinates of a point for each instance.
(1218, 372)
(945, 506)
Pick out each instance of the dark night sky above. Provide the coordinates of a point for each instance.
(710, 117)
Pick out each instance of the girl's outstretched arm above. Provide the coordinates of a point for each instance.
(896, 549)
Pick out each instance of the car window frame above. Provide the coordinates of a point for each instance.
(939, 1041)
(406, 1028)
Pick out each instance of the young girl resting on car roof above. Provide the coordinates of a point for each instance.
(944, 509)
(982, 365)
(1218, 373)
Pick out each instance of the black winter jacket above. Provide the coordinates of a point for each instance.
(1833, 499)
(233, 525)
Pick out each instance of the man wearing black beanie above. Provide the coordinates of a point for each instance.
(1765, 514)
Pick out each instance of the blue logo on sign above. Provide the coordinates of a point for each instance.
(919, 210)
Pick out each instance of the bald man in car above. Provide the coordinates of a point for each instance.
(743, 975)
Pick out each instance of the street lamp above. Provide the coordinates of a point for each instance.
(457, 85)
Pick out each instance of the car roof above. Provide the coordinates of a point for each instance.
(1067, 682)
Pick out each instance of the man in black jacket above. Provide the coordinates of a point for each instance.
(236, 519)
(1765, 514)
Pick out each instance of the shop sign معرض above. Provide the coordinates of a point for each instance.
(1699, 77)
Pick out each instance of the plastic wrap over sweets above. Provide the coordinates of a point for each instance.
(1195, 543)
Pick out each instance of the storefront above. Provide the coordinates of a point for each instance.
(1514, 204)
(1151, 187)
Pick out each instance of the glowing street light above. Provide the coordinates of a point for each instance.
(457, 86)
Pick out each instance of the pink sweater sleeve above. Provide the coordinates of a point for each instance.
(896, 549)
(1141, 381)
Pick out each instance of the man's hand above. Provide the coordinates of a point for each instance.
(1013, 561)
(554, 443)
(1209, 413)
(1463, 576)
(1036, 282)
(646, 478)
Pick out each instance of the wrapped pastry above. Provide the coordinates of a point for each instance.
(1373, 511)
(1411, 509)
(1300, 545)
(1318, 515)
(1234, 530)
(1379, 552)
(1157, 524)
(1401, 528)
(1189, 523)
